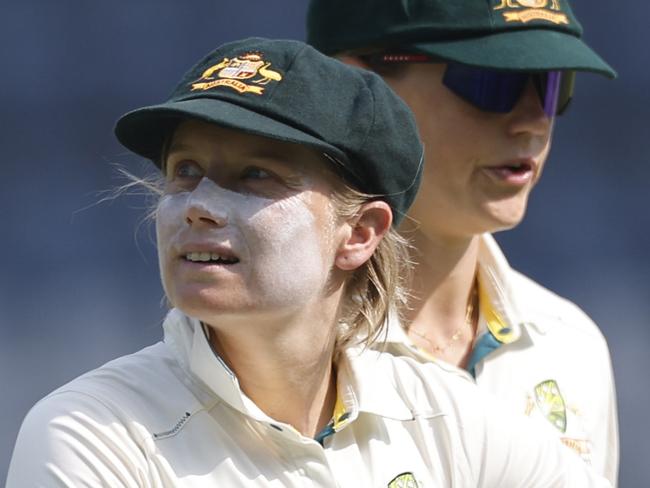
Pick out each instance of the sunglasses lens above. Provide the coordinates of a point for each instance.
(565, 94)
(555, 90)
(550, 91)
(499, 91)
(488, 90)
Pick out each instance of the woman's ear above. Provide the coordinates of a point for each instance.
(366, 230)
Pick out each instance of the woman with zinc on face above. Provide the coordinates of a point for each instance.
(278, 254)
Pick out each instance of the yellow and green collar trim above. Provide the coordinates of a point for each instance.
(498, 331)
(340, 417)
(497, 326)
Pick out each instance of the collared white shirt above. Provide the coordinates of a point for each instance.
(173, 415)
(540, 355)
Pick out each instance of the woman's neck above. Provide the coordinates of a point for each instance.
(443, 294)
(284, 365)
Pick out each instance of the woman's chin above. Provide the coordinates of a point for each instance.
(504, 214)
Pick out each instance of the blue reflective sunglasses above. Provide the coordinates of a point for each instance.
(493, 90)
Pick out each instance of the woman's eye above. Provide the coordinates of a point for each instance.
(254, 173)
(188, 169)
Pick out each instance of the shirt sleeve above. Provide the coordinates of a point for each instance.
(602, 423)
(605, 456)
(73, 440)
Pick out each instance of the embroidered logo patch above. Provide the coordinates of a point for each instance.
(243, 74)
(557, 411)
(527, 10)
(404, 480)
(550, 402)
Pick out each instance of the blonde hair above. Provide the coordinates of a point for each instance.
(376, 290)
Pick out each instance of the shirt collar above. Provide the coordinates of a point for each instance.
(499, 307)
(497, 281)
(359, 387)
(186, 337)
(362, 389)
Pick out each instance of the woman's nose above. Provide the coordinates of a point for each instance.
(196, 215)
(204, 207)
(528, 115)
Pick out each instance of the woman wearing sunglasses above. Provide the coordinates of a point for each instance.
(486, 80)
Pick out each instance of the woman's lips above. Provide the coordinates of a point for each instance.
(515, 173)
(210, 257)
(195, 265)
(202, 255)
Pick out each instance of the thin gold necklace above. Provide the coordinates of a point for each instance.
(458, 333)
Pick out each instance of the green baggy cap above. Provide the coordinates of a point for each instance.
(519, 35)
(288, 91)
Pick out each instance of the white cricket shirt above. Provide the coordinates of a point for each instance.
(540, 355)
(173, 415)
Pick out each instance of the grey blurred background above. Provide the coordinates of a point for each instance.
(79, 282)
